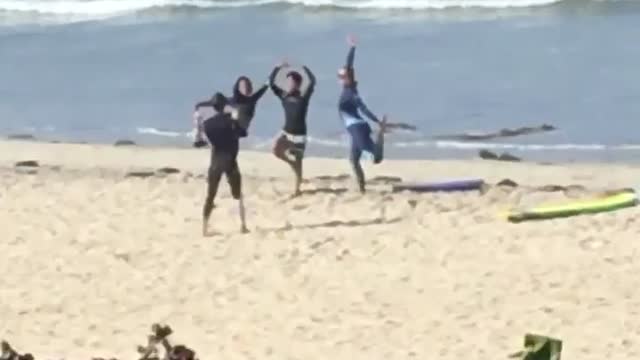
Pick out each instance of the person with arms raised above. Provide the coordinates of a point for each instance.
(350, 107)
(290, 143)
(245, 100)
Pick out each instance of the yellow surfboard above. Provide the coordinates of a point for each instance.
(589, 206)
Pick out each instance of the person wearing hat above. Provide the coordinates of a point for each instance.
(350, 107)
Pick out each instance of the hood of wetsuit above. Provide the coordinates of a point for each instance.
(218, 102)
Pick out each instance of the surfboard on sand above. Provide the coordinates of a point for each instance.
(589, 206)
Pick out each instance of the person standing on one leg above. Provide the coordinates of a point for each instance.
(290, 144)
(350, 106)
(223, 132)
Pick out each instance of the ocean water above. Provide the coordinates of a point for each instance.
(100, 70)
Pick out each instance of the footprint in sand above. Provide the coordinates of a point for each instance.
(591, 243)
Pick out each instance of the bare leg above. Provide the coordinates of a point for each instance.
(242, 212)
(212, 189)
(208, 208)
(297, 169)
(280, 149)
(356, 153)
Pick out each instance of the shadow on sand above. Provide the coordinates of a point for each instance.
(335, 223)
(321, 190)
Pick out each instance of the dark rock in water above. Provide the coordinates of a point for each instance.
(487, 155)
(21, 137)
(140, 174)
(124, 142)
(507, 182)
(490, 155)
(27, 163)
(508, 157)
(168, 170)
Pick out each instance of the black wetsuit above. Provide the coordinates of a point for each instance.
(295, 104)
(246, 105)
(223, 133)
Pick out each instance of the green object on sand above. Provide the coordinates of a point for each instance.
(591, 206)
(538, 347)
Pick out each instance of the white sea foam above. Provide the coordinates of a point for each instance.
(108, 8)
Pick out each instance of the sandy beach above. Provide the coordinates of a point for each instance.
(91, 258)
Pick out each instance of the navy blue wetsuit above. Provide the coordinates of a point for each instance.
(350, 106)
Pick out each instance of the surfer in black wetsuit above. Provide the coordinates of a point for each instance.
(223, 132)
(244, 100)
(292, 140)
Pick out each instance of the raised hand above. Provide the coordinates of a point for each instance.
(283, 63)
(351, 40)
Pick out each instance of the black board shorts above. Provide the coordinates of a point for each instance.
(229, 167)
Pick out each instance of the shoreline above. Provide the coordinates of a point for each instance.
(340, 152)
(259, 164)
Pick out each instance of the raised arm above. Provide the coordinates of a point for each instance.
(351, 55)
(272, 82)
(312, 82)
(258, 94)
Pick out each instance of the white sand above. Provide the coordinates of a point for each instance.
(91, 259)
